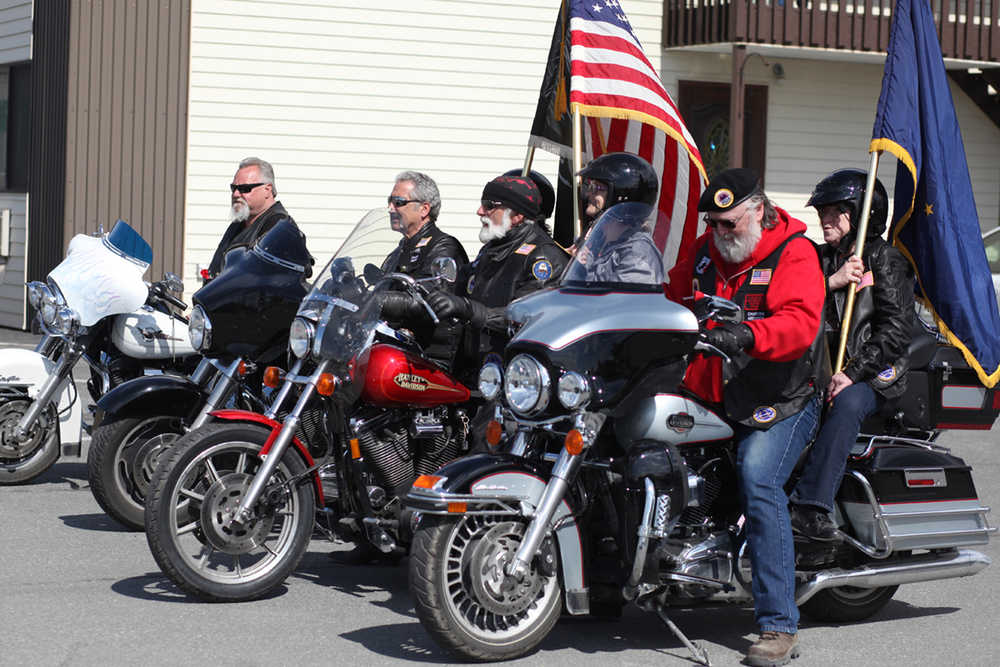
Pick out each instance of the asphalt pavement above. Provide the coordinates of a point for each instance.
(75, 588)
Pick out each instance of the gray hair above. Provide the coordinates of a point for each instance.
(424, 189)
(265, 169)
(770, 214)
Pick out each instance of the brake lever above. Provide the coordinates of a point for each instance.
(702, 346)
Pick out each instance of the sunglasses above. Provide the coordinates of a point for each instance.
(726, 224)
(400, 202)
(490, 205)
(244, 188)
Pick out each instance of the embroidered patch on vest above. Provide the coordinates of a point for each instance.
(867, 280)
(760, 277)
(541, 269)
(525, 249)
(753, 301)
(888, 374)
(764, 415)
(702, 264)
(469, 286)
(724, 198)
(422, 242)
(415, 256)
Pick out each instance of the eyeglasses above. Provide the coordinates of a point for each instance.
(727, 224)
(400, 202)
(244, 188)
(490, 205)
(594, 187)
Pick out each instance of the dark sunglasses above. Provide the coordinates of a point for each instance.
(727, 224)
(490, 205)
(244, 187)
(400, 202)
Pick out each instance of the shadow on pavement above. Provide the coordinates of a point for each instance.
(360, 581)
(73, 473)
(157, 587)
(98, 521)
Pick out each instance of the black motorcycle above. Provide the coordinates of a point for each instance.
(240, 325)
(607, 484)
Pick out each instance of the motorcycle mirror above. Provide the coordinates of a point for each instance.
(372, 274)
(445, 268)
(173, 282)
(718, 309)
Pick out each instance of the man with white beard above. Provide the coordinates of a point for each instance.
(254, 210)
(755, 254)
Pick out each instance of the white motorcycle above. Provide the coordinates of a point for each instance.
(93, 306)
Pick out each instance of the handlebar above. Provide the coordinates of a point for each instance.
(415, 287)
(157, 291)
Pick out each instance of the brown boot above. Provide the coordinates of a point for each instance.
(773, 648)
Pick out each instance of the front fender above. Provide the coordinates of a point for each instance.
(27, 371)
(275, 426)
(149, 395)
(504, 485)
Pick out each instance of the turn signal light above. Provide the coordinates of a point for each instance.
(457, 508)
(325, 384)
(427, 481)
(493, 433)
(355, 449)
(574, 442)
(241, 368)
(272, 377)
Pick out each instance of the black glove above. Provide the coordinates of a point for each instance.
(401, 306)
(449, 305)
(730, 338)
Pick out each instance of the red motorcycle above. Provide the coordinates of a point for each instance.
(231, 508)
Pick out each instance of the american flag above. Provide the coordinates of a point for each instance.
(598, 66)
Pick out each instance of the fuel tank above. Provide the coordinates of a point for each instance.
(671, 418)
(147, 333)
(397, 377)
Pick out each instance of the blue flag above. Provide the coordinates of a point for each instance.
(935, 224)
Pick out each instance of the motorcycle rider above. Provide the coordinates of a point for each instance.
(875, 371)
(755, 253)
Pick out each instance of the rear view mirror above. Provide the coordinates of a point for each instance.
(445, 268)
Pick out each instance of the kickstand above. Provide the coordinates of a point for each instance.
(699, 654)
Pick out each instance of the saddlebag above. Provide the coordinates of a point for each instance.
(902, 496)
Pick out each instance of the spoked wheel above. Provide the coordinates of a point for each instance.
(847, 604)
(23, 460)
(121, 461)
(195, 493)
(466, 601)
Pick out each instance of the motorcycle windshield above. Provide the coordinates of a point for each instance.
(618, 252)
(102, 276)
(343, 302)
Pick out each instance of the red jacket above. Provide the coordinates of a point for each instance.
(795, 299)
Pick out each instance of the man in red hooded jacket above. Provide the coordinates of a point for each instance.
(756, 255)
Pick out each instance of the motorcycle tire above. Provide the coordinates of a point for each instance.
(121, 461)
(198, 485)
(459, 600)
(847, 604)
(21, 462)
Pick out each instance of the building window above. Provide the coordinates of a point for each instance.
(15, 126)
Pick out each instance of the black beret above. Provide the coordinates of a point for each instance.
(730, 188)
(518, 193)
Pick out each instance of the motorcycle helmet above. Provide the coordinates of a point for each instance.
(628, 177)
(544, 187)
(847, 186)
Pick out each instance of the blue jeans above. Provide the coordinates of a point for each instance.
(765, 460)
(824, 468)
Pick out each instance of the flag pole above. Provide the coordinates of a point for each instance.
(577, 166)
(859, 246)
(528, 159)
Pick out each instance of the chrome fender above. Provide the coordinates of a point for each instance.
(28, 370)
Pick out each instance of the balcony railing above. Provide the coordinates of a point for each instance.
(967, 29)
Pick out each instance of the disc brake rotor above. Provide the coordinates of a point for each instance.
(495, 591)
(217, 510)
(10, 447)
(146, 456)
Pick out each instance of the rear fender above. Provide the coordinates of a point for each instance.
(166, 395)
(275, 426)
(502, 485)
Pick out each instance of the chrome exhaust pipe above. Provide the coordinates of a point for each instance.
(926, 567)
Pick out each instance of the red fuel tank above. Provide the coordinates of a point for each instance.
(394, 377)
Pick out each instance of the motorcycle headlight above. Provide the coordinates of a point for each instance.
(573, 390)
(526, 385)
(49, 308)
(65, 321)
(199, 329)
(36, 293)
(300, 336)
(490, 381)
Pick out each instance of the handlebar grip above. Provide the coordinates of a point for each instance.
(157, 291)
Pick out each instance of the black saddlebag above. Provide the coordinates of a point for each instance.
(909, 497)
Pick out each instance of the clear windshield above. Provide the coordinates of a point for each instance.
(618, 252)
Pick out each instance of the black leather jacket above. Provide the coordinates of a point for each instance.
(237, 235)
(883, 317)
(414, 256)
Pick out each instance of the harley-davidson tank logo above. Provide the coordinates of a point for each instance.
(417, 383)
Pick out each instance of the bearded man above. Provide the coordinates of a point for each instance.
(755, 254)
(254, 210)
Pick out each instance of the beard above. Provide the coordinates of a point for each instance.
(396, 222)
(491, 231)
(737, 249)
(239, 211)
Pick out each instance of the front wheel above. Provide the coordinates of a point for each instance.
(121, 461)
(847, 604)
(194, 493)
(23, 460)
(464, 599)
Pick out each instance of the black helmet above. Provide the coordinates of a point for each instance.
(848, 186)
(628, 177)
(544, 187)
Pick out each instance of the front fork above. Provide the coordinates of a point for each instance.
(64, 368)
(220, 393)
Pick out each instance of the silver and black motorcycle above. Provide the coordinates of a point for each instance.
(607, 484)
(96, 307)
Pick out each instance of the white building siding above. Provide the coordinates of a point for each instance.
(15, 31)
(341, 95)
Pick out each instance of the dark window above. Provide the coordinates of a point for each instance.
(15, 128)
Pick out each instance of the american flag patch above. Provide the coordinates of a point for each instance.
(760, 277)
(422, 242)
(525, 249)
(867, 280)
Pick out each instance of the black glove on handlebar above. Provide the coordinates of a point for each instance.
(730, 338)
(401, 306)
(449, 305)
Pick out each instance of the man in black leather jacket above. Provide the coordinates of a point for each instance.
(876, 356)
(253, 212)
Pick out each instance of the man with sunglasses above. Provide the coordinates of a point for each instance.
(254, 210)
(755, 254)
